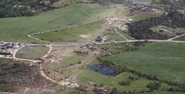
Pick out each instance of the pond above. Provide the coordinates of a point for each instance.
(103, 69)
(141, 3)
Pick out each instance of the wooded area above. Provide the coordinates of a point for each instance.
(15, 8)
(141, 29)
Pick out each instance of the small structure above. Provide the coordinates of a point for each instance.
(3, 47)
(6, 49)
(162, 30)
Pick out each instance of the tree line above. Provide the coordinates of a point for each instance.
(15, 8)
(141, 29)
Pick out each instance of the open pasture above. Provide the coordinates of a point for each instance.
(32, 52)
(17, 29)
(166, 60)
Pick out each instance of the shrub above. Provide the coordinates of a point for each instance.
(125, 83)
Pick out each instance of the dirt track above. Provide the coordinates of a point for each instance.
(62, 83)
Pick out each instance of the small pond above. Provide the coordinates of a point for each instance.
(141, 3)
(103, 69)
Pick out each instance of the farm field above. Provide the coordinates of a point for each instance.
(166, 60)
(32, 52)
(17, 29)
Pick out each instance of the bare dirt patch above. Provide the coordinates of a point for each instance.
(84, 36)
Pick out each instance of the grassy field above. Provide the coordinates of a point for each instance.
(181, 38)
(144, 15)
(17, 29)
(67, 55)
(72, 35)
(165, 60)
(32, 52)
(126, 34)
(88, 76)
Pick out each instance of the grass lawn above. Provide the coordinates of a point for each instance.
(181, 38)
(32, 52)
(165, 60)
(17, 29)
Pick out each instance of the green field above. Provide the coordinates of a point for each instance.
(144, 15)
(72, 35)
(181, 38)
(32, 52)
(17, 29)
(89, 77)
(126, 34)
(97, 78)
(165, 60)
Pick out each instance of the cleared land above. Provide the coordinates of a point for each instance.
(32, 52)
(165, 60)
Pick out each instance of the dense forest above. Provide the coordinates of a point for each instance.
(15, 8)
(141, 29)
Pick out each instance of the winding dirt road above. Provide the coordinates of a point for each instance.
(62, 83)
